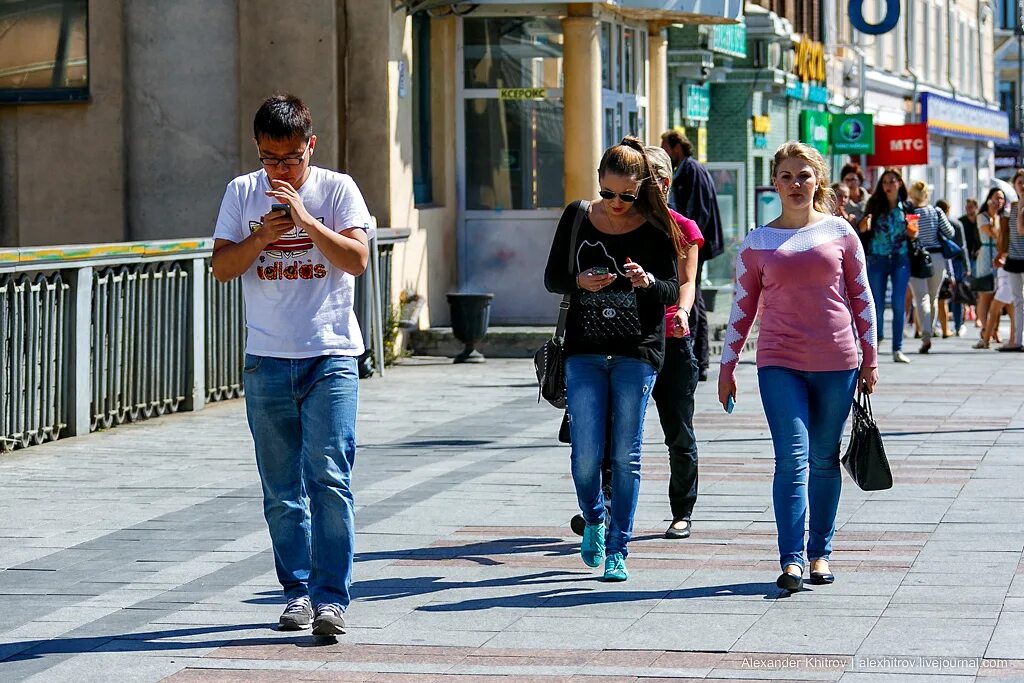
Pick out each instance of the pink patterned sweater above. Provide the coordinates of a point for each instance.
(810, 288)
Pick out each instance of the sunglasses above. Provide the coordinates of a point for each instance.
(624, 196)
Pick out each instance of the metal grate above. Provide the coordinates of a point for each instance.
(225, 337)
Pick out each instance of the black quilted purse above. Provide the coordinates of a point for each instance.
(865, 457)
(609, 316)
(920, 260)
(549, 361)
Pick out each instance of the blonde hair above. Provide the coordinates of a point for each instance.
(661, 165)
(919, 192)
(824, 196)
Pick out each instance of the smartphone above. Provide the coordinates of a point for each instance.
(281, 207)
(599, 270)
(730, 404)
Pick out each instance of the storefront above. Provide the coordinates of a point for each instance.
(541, 90)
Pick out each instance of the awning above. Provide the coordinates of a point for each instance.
(675, 11)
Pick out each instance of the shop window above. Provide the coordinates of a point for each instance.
(44, 55)
(606, 54)
(514, 52)
(422, 177)
(514, 154)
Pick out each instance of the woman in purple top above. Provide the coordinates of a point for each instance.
(804, 275)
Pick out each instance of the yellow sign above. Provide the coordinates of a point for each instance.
(522, 93)
(809, 62)
(702, 145)
(762, 124)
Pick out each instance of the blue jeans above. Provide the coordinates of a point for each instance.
(882, 269)
(602, 389)
(806, 413)
(302, 415)
(957, 308)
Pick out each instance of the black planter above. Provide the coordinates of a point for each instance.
(471, 313)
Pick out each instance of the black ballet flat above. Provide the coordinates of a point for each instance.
(822, 578)
(790, 582)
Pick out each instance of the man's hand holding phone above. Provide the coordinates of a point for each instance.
(275, 224)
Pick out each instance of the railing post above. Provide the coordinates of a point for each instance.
(79, 353)
(195, 355)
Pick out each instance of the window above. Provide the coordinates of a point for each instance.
(511, 53)
(422, 177)
(1005, 14)
(606, 54)
(44, 51)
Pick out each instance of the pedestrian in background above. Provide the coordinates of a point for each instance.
(853, 177)
(972, 239)
(805, 273)
(677, 381)
(1013, 264)
(842, 195)
(884, 232)
(302, 344)
(992, 222)
(694, 196)
(931, 224)
(623, 277)
(961, 271)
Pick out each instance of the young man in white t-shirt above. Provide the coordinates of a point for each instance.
(298, 271)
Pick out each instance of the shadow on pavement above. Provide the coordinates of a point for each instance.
(481, 552)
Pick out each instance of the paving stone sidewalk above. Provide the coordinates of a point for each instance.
(140, 553)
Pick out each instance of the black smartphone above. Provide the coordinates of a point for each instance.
(599, 270)
(281, 207)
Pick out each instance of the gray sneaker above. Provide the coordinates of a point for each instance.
(329, 621)
(297, 615)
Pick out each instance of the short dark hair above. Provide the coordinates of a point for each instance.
(674, 137)
(282, 117)
(854, 168)
(943, 204)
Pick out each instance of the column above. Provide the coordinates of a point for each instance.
(657, 99)
(582, 96)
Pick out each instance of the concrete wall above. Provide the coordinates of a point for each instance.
(179, 157)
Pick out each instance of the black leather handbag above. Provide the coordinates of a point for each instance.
(920, 260)
(549, 361)
(609, 316)
(964, 294)
(865, 456)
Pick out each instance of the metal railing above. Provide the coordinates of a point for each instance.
(98, 335)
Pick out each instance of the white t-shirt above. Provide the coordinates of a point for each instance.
(297, 305)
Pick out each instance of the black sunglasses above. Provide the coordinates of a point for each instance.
(624, 196)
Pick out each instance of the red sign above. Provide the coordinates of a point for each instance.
(900, 145)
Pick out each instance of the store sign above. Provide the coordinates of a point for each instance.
(814, 129)
(947, 116)
(761, 124)
(702, 145)
(900, 145)
(884, 25)
(852, 134)
(698, 102)
(729, 39)
(522, 93)
(809, 62)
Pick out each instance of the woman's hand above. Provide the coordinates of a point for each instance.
(680, 324)
(868, 379)
(594, 282)
(865, 223)
(637, 275)
(726, 390)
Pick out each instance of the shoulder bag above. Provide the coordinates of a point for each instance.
(865, 456)
(920, 260)
(549, 361)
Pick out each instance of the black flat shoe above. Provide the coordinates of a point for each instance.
(577, 524)
(790, 582)
(682, 532)
(822, 578)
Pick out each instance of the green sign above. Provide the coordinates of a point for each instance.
(729, 39)
(698, 102)
(814, 129)
(853, 134)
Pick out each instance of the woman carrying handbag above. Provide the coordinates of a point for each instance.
(625, 275)
(805, 275)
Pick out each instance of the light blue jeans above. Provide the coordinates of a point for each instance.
(602, 389)
(302, 415)
(806, 413)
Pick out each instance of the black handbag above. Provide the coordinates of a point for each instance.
(865, 456)
(549, 361)
(964, 294)
(946, 289)
(609, 316)
(920, 260)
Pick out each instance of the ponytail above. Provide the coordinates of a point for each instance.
(650, 200)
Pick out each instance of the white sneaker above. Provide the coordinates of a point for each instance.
(962, 331)
(898, 357)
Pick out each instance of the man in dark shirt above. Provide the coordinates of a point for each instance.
(693, 195)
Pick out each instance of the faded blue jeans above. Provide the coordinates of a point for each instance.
(302, 415)
(602, 389)
(881, 269)
(806, 413)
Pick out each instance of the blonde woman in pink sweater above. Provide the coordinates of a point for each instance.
(805, 275)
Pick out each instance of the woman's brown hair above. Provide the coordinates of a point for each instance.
(629, 159)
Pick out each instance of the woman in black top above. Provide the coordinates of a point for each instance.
(623, 275)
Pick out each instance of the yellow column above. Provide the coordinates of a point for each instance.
(657, 99)
(582, 96)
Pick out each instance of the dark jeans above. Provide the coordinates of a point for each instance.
(673, 393)
(699, 324)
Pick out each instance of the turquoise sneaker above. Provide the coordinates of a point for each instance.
(615, 568)
(592, 547)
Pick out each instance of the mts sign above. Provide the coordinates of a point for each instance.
(900, 145)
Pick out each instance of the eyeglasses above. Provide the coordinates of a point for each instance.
(287, 161)
(624, 196)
